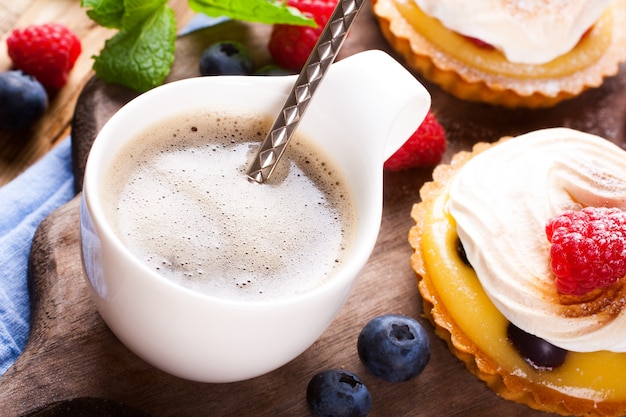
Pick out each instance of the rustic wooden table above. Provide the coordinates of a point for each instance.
(74, 366)
(20, 150)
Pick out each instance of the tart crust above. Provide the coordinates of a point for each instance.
(471, 83)
(515, 386)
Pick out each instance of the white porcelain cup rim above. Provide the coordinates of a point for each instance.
(129, 305)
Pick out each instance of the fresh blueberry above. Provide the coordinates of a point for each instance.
(226, 58)
(538, 352)
(338, 393)
(23, 100)
(394, 347)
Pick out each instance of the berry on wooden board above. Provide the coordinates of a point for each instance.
(226, 58)
(394, 347)
(424, 148)
(23, 100)
(48, 52)
(338, 393)
(291, 45)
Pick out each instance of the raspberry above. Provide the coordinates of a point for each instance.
(588, 248)
(424, 148)
(47, 52)
(291, 45)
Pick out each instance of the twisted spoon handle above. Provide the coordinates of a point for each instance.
(322, 56)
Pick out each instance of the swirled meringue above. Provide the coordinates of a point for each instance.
(501, 200)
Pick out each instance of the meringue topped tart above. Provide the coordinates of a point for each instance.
(530, 32)
(505, 52)
(483, 259)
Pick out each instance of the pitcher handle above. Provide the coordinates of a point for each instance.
(375, 92)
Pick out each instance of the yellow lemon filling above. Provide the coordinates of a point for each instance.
(587, 52)
(596, 376)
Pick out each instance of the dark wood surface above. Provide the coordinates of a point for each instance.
(74, 366)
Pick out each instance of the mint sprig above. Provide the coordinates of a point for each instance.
(262, 11)
(140, 55)
(105, 13)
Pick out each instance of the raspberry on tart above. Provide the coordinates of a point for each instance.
(588, 248)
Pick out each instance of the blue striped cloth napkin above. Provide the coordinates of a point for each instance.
(24, 203)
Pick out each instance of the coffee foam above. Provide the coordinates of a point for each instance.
(180, 200)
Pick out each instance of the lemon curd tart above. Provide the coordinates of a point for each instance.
(474, 70)
(589, 381)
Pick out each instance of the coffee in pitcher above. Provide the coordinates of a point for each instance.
(178, 197)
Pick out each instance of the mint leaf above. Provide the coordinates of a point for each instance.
(139, 56)
(106, 13)
(137, 11)
(262, 11)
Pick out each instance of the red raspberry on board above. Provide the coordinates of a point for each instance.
(47, 52)
(588, 248)
(291, 45)
(424, 148)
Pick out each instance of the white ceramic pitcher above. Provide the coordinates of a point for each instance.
(364, 110)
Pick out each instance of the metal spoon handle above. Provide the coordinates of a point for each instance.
(322, 56)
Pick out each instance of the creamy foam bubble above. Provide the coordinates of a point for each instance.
(180, 200)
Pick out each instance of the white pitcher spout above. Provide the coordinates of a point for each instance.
(377, 97)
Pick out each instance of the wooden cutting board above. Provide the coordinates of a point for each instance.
(74, 366)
